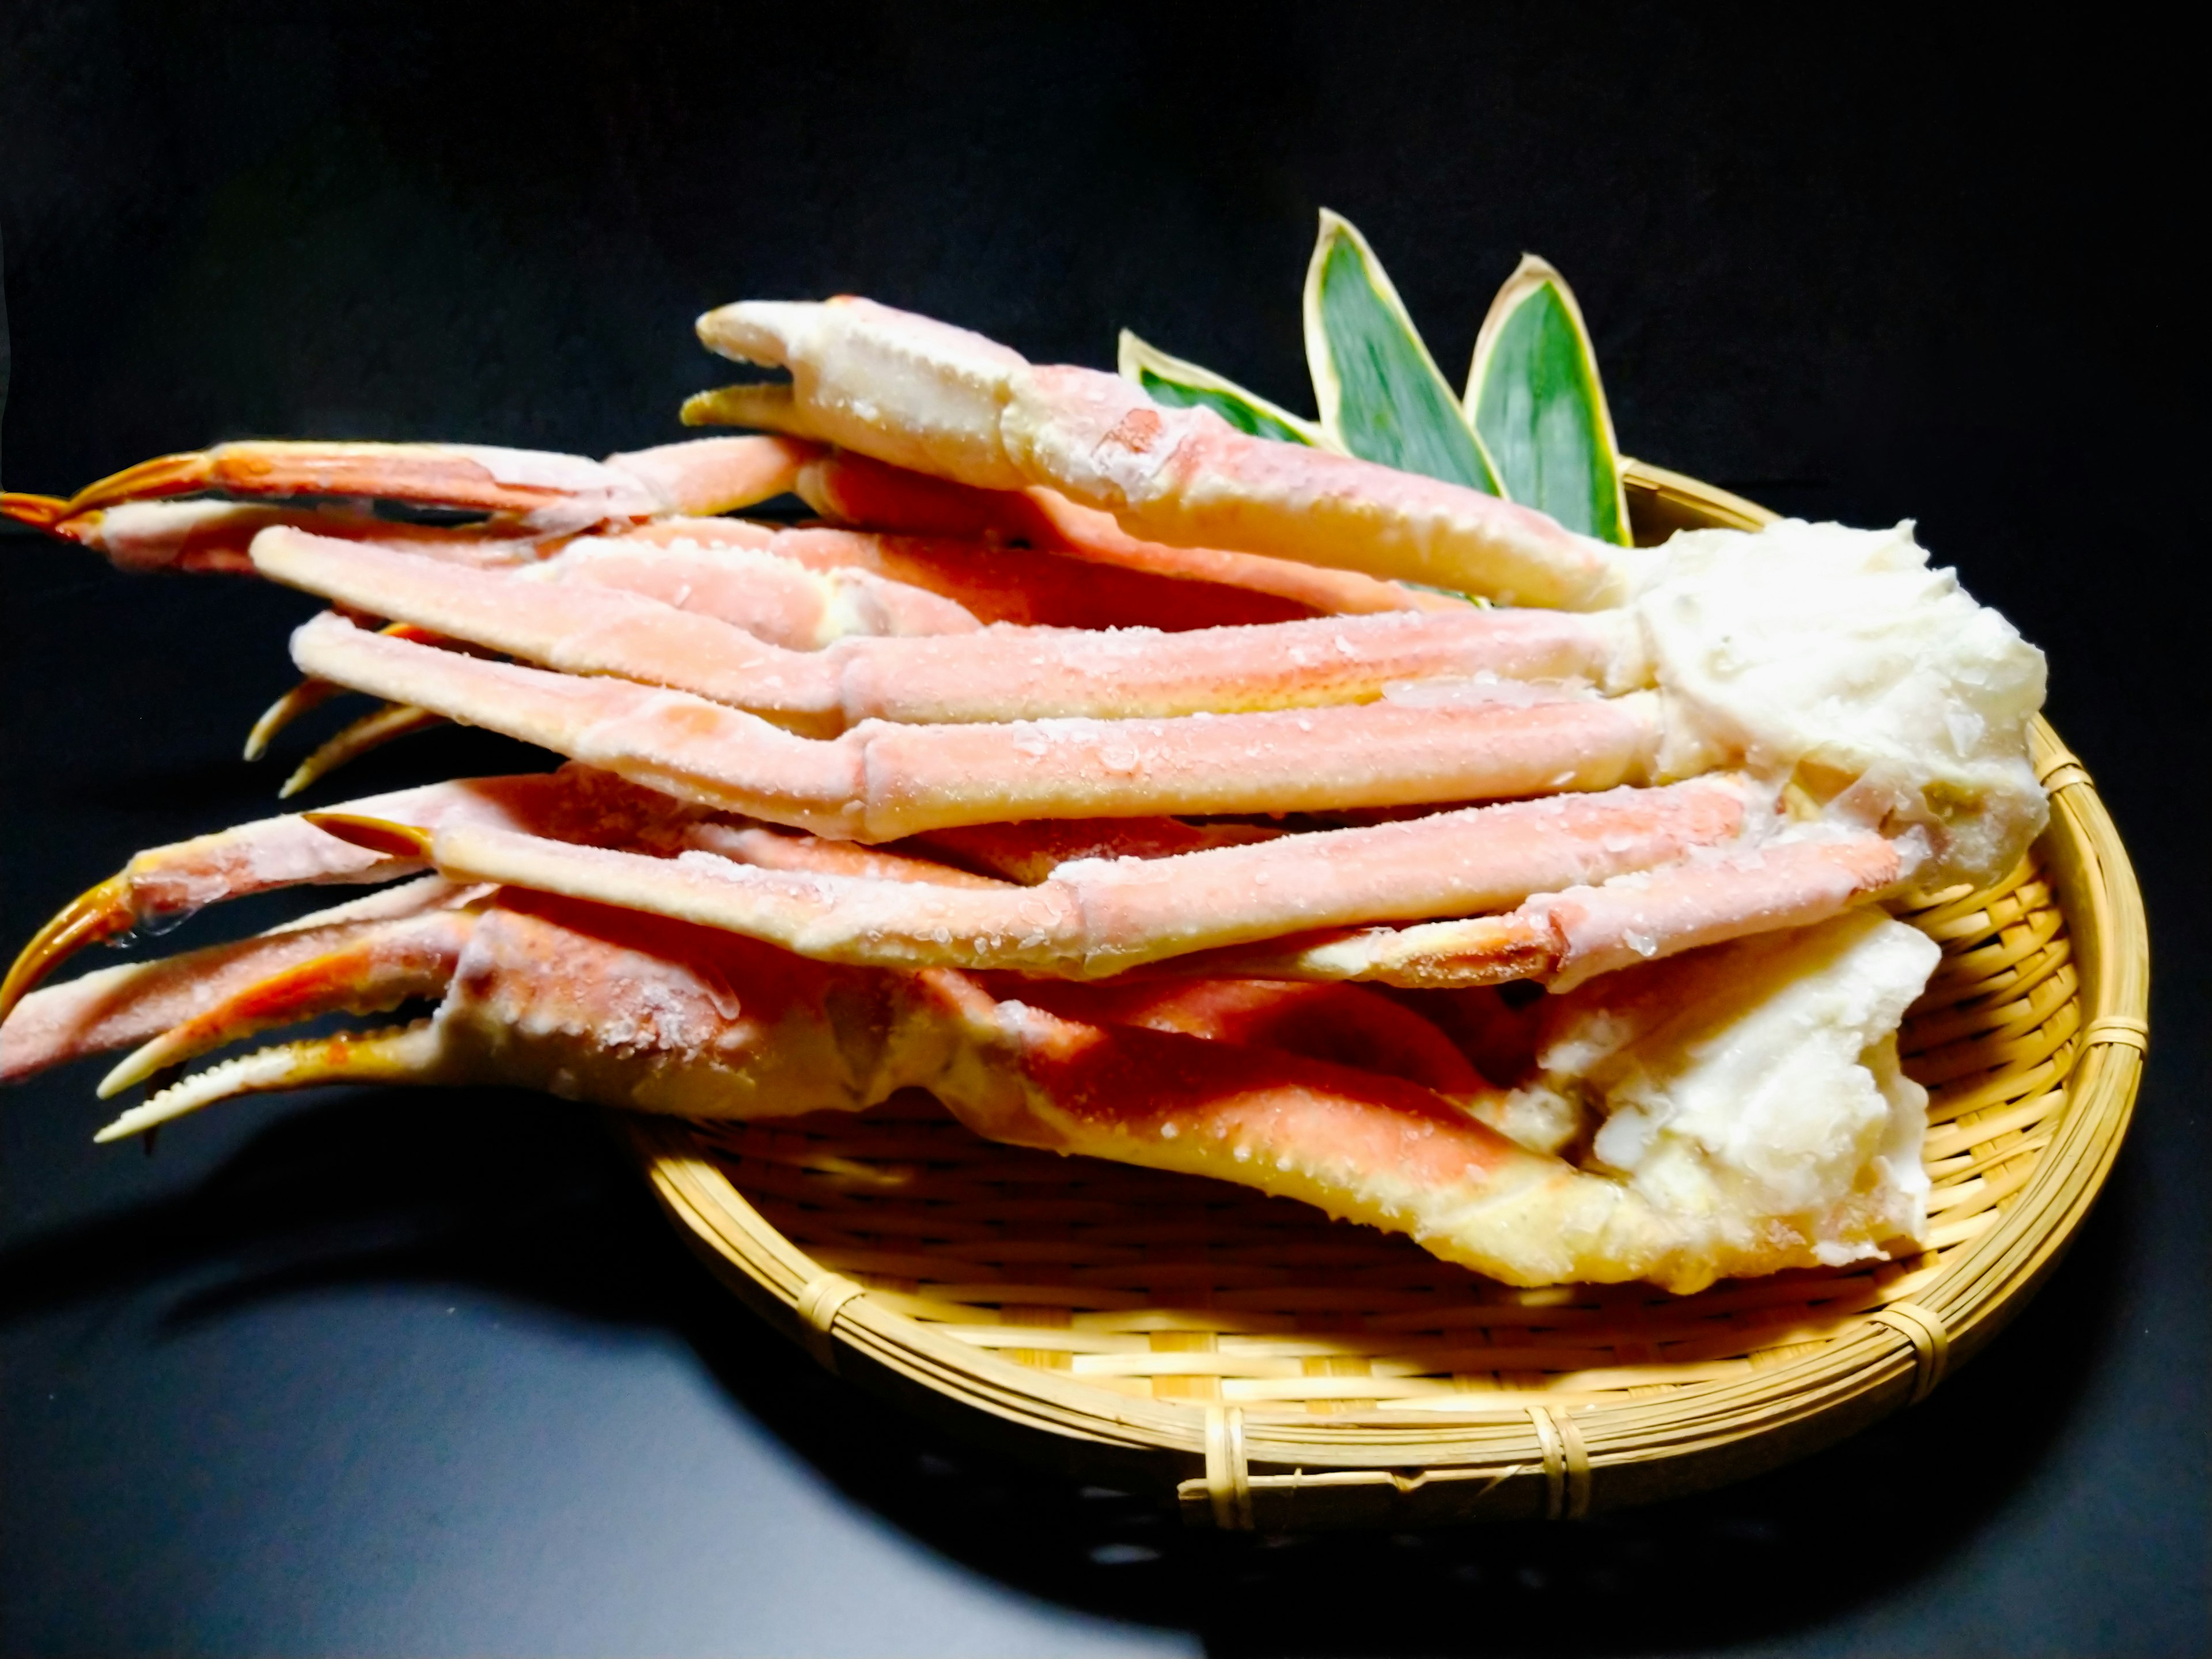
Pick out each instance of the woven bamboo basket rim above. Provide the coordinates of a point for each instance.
(1005, 1293)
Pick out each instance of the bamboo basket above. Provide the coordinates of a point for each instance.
(1270, 1368)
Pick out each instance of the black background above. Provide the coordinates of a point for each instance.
(367, 1372)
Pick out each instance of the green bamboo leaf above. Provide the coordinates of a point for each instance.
(1381, 394)
(1534, 396)
(1182, 385)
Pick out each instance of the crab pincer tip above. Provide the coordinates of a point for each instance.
(396, 841)
(96, 914)
(40, 512)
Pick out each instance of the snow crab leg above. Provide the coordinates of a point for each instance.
(167, 884)
(1095, 917)
(532, 494)
(655, 1015)
(936, 399)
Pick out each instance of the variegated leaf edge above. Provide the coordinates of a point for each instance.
(1530, 275)
(1329, 391)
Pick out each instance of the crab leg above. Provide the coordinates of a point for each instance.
(115, 1007)
(211, 537)
(861, 491)
(167, 884)
(933, 399)
(1093, 918)
(1341, 1023)
(878, 781)
(1367, 1148)
(996, 583)
(371, 971)
(711, 475)
(543, 494)
(1564, 937)
(1205, 1081)
(999, 674)
(773, 599)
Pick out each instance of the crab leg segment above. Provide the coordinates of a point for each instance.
(211, 537)
(998, 675)
(534, 498)
(404, 1056)
(1371, 1149)
(1203, 1081)
(861, 491)
(544, 493)
(1093, 918)
(463, 476)
(1343, 1024)
(922, 395)
(1355, 1145)
(878, 781)
(1563, 938)
(711, 475)
(775, 599)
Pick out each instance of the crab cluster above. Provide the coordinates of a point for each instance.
(1122, 778)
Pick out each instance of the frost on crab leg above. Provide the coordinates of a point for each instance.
(637, 1012)
(534, 492)
(1093, 918)
(878, 781)
(165, 883)
(933, 398)
(999, 674)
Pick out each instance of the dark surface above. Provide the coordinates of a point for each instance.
(381, 1372)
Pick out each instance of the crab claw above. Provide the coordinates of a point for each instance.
(402, 1055)
(370, 972)
(98, 913)
(169, 883)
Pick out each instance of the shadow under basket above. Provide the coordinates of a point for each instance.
(1275, 1370)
